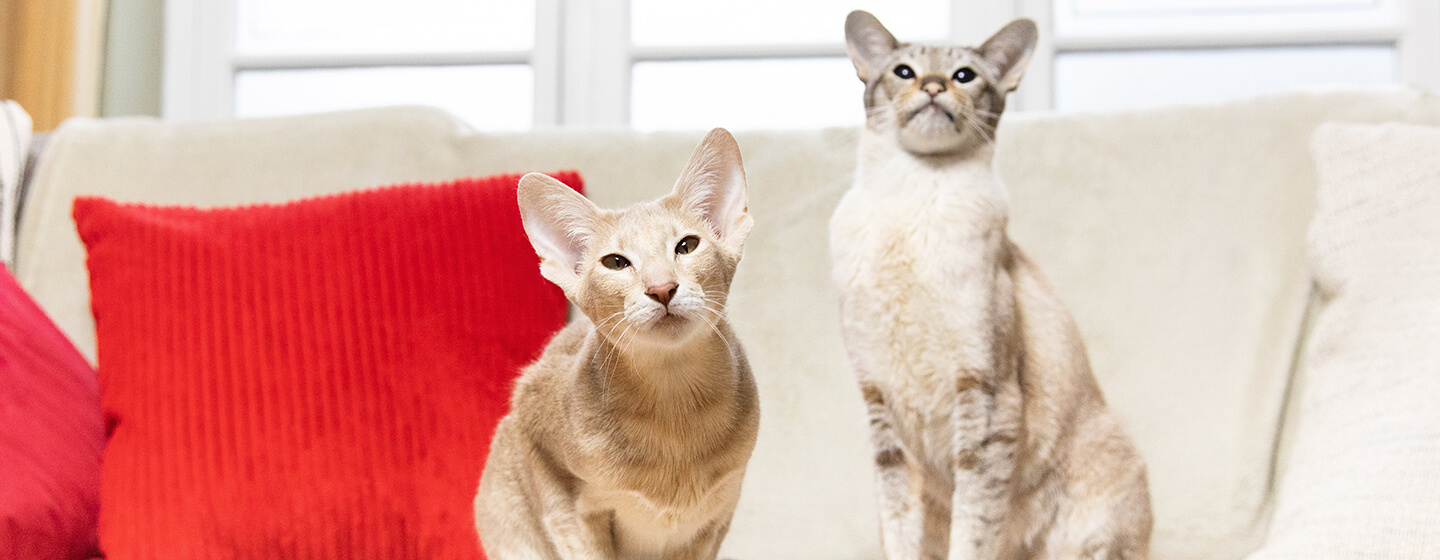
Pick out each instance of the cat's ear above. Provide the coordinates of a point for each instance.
(713, 186)
(1009, 51)
(867, 42)
(559, 222)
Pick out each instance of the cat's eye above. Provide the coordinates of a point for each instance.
(614, 262)
(904, 71)
(685, 246)
(964, 75)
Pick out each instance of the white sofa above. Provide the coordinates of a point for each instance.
(1176, 235)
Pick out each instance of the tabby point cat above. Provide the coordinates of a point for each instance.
(628, 437)
(991, 436)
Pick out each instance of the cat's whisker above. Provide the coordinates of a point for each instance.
(607, 375)
(880, 112)
(597, 326)
(714, 327)
(596, 329)
(716, 307)
(718, 311)
(622, 353)
(716, 296)
(985, 130)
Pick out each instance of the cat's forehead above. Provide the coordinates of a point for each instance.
(642, 224)
(932, 56)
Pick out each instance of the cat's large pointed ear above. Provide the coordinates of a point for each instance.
(559, 222)
(1009, 51)
(713, 186)
(868, 43)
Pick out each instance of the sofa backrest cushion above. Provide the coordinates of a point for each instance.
(310, 380)
(1175, 235)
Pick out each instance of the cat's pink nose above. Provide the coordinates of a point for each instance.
(662, 293)
(932, 85)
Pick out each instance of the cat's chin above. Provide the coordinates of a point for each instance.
(928, 135)
(929, 130)
(669, 329)
(931, 143)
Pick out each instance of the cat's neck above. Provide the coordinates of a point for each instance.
(884, 165)
(678, 378)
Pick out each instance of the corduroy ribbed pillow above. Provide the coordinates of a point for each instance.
(312, 380)
(51, 436)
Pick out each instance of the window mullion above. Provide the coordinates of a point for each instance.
(1037, 92)
(545, 61)
(595, 81)
(199, 70)
(1419, 45)
(973, 22)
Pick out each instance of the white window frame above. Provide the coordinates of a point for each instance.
(1411, 27)
(582, 56)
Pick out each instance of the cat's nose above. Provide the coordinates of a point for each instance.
(662, 293)
(932, 85)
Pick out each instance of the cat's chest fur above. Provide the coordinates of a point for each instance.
(916, 253)
(668, 473)
(668, 513)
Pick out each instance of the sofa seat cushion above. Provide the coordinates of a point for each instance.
(1363, 479)
(51, 436)
(309, 380)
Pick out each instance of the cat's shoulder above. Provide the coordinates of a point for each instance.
(557, 359)
(568, 341)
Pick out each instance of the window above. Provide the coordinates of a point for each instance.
(493, 97)
(1112, 54)
(1099, 81)
(691, 64)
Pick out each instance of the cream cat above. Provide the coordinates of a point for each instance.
(628, 438)
(992, 439)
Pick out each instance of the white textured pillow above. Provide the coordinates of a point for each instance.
(15, 133)
(1364, 476)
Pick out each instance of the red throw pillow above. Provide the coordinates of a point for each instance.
(51, 436)
(311, 380)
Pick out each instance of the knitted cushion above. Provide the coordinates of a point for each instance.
(311, 380)
(1364, 475)
(51, 436)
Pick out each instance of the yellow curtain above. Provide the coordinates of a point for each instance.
(50, 57)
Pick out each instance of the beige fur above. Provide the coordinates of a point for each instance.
(628, 438)
(992, 438)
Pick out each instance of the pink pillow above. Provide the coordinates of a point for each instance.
(51, 436)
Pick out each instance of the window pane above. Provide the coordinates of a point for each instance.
(385, 26)
(746, 94)
(748, 22)
(1109, 19)
(1134, 7)
(488, 97)
(1122, 80)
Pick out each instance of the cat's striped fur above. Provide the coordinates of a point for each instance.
(992, 439)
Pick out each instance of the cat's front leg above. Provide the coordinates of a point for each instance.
(986, 431)
(902, 514)
(575, 534)
(705, 545)
(581, 536)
